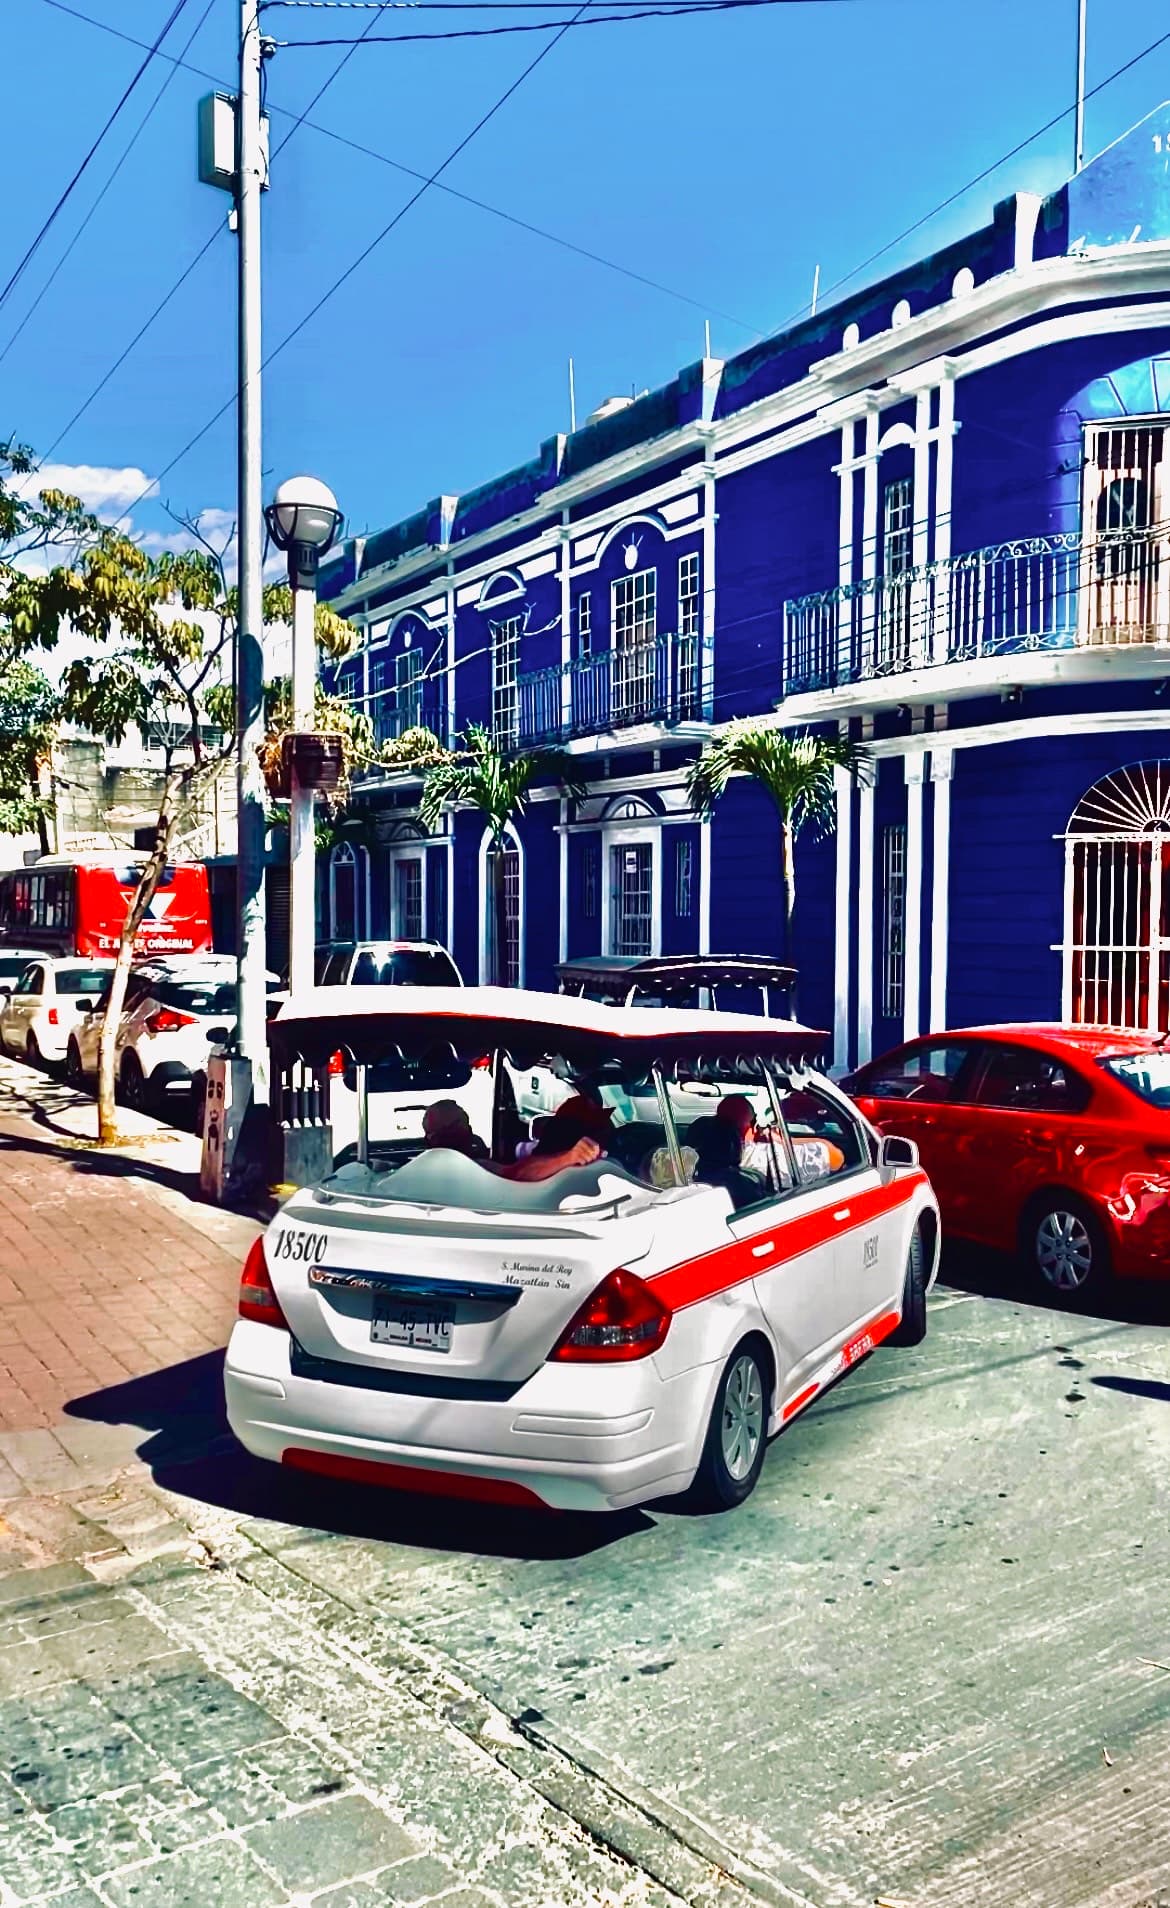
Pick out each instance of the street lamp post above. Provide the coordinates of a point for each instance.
(303, 520)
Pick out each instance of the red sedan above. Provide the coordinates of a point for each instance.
(1046, 1140)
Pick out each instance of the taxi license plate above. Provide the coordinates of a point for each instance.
(424, 1327)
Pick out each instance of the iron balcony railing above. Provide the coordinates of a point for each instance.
(664, 681)
(1038, 593)
(421, 706)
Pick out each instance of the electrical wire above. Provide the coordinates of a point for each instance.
(187, 271)
(497, 105)
(126, 151)
(674, 11)
(986, 173)
(411, 172)
(26, 260)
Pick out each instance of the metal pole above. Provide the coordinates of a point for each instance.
(1079, 124)
(302, 843)
(572, 398)
(816, 292)
(251, 955)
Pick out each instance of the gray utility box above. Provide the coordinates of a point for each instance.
(229, 1092)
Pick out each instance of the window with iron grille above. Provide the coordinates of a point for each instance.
(584, 624)
(688, 594)
(590, 893)
(684, 861)
(634, 625)
(893, 919)
(505, 690)
(898, 526)
(408, 689)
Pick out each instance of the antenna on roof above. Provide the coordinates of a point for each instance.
(572, 399)
(706, 337)
(1079, 121)
(812, 310)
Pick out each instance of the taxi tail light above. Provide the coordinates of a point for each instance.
(166, 1020)
(621, 1320)
(336, 1065)
(258, 1299)
(482, 1063)
(53, 1017)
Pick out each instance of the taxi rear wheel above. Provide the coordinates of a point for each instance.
(733, 1452)
(73, 1068)
(912, 1329)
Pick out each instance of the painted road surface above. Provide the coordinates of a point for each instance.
(929, 1661)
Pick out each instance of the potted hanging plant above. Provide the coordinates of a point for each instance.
(340, 743)
(320, 759)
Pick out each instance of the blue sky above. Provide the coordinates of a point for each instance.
(723, 157)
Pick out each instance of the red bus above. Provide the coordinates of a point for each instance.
(64, 904)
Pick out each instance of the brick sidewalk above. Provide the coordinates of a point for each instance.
(109, 1273)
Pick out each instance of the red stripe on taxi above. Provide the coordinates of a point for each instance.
(702, 1278)
(866, 1340)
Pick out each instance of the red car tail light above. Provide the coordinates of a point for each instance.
(53, 1017)
(622, 1319)
(258, 1299)
(166, 1020)
(336, 1064)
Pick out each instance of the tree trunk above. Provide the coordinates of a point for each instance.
(789, 840)
(144, 894)
(499, 905)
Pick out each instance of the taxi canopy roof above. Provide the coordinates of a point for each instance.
(378, 1023)
(622, 976)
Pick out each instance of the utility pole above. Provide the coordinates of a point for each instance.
(1079, 122)
(251, 950)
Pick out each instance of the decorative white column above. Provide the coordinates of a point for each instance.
(566, 701)
(912, 936)
(705, 886)
(864, 923)
(844, 895)
(707, 637)
(941, 767)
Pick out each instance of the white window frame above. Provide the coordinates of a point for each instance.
(627, 837)
(397, 857)
(634, 609)
(689, 594)
(505, 655)
(893, 929)
(684, 877)
(585, 623)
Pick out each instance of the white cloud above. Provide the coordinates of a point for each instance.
(102, 488)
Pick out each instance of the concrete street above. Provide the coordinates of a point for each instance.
(927, 1665)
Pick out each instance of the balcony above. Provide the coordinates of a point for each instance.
(657, 684)
(1038, 596)
(421, 706)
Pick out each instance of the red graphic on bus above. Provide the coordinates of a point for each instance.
(61, 906)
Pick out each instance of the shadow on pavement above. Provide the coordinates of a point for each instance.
(1137, 1387)
(997, 1275)
(191, 1450)
(87, 1158)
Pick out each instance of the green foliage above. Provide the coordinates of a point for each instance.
(496, 781)
(795, 766)
(29, 711)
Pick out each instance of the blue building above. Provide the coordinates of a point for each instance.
(936, 515)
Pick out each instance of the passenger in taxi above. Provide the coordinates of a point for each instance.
(446, 1123)
(574, 1136)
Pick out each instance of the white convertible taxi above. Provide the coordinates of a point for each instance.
(625, 1304)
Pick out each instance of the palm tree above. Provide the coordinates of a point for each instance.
(797, 769)
(498, 782)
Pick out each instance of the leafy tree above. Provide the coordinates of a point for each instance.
(796, 767)
(163, 672)
(29, 714)
(498, 782)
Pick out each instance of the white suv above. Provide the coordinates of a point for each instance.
(51, 999)
(385, 964)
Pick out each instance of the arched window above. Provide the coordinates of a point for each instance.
(1117, 901)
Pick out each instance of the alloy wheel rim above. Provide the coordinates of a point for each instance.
(742, 1428)
(1064, 1251)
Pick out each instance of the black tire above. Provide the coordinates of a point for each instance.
(1064, 1248)
(32, 1052)
(743, 1403)
(131, 1081)
(74, 1073)
(912, 1329)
